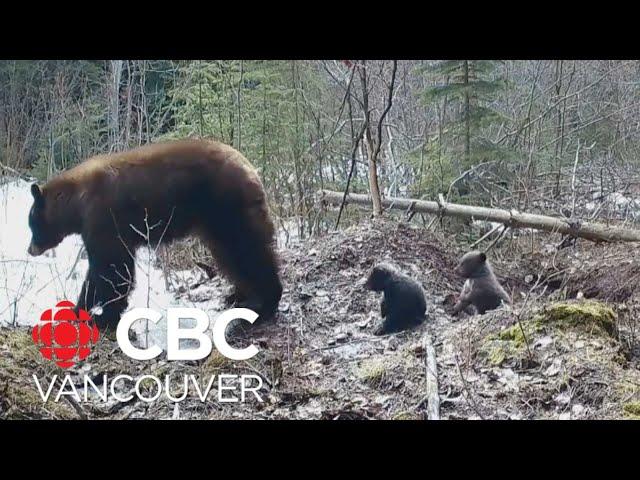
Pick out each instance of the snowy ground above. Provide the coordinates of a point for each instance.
(30, 285)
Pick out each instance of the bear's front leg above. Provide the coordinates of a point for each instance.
(383, 308)
(109, 281)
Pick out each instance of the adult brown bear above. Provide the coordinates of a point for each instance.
(164, 192)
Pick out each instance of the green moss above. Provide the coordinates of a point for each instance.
(20, 345)
(19, 397)
(632, 410)
(372, 372)
(147, 384)
(20, 356)
(405, 416)
(626, 388)
(214, 363)
(497, 354)
(25, 402)
(519, 334)
(588, 314)
(510, 343)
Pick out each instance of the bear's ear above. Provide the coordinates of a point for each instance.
(483, 257)
(37, 194)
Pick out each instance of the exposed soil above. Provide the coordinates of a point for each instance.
(542, 358)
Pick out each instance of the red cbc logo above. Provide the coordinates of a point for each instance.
(64, 337)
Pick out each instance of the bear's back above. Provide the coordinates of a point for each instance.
(193, 174)
(164, 162)
(175, 152)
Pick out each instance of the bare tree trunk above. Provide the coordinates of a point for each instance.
(114, 104)
(239, 95)
(558, 149)
(297, 154)
(467, 118)
(374, 186)
(200, 108)
(129, 90)
(372, 145)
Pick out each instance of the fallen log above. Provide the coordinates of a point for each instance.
(433, 398)
(509, 218)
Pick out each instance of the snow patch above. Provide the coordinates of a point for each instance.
(30, 285)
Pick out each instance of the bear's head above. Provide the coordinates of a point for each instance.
(473, 265)
(45, 233)
(380, 276)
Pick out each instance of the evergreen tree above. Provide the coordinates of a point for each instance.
(471, 86)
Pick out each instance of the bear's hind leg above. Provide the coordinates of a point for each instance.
(244, 250)
(223, 260)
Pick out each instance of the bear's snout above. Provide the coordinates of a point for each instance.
(34, 250)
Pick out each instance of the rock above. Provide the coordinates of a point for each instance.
(508, 378)
(562, 398)
(342, 337)
(304, 295)
(201, 295)
(542, 342)
(577, 410)
(364, 323)
(284, 307)
(554, 368)
(382, 400)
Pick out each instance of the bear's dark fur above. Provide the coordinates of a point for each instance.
(155, 194)
(403, 304)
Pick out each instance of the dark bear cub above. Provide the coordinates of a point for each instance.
(152, 195)
(481, 289)
(403, 305)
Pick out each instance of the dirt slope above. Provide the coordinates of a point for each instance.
(321, 361)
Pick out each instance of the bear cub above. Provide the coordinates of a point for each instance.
(481, 288)
(403, 305)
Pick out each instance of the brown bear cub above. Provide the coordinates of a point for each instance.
(403, 305)
(155, 194)
(481, 288)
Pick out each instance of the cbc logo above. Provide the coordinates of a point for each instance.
(67, 338)
(64, 337)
